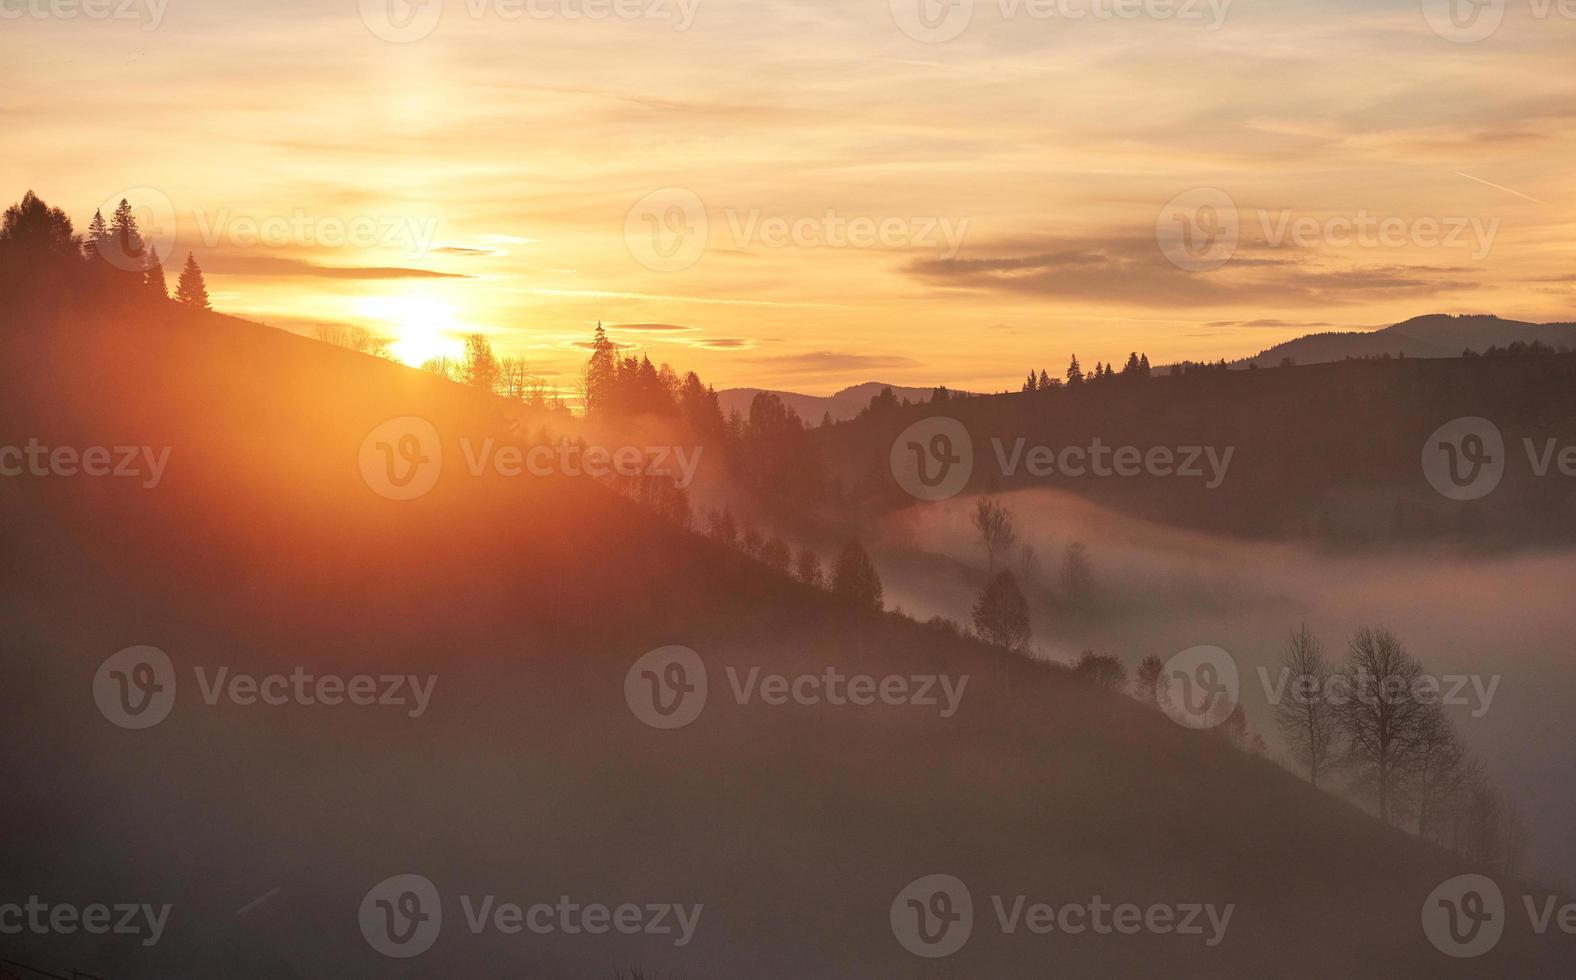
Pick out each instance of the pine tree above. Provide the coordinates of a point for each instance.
(1045, 380)
(191, 289)
(601, 373)
(1075, 375)
(123, 230)
(98, 234)
(1001, 614)
(1143, 365)
(1031, 384)
(153, 274)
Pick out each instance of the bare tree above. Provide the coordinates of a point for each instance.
(1383, 720)
(1303, 712)
(1001, 614)
(1442, 766)
(993, 521)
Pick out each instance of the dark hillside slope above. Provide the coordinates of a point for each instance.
(1325, 450)
(528, 777)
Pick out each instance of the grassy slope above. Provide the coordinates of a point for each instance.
(529, 778)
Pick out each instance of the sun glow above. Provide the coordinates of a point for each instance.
(423, 327)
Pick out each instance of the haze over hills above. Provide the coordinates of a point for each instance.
(1433, 335)
(262, 551)
(842, 406)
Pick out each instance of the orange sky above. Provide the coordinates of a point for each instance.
(802, 195)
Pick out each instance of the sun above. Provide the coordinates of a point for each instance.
(424, 327)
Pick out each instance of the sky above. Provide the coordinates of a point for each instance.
(808, 195)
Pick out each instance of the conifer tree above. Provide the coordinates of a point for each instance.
(1045, 380)
(123, 230)
(1031, 384)
(191, 289)
(98, 234)
(153, 274)
(1075, 373)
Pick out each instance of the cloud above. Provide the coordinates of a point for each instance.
(653, 327)
(273, 265)
(722, 343)
(826, 360)
(1133, 271)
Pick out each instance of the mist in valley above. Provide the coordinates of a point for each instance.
(1503, 623)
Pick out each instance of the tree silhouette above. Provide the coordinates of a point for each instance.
(1148, 683)
(854, 577)
(1045, 381)
(98, 234)
(1075, 375)
(153, 274)
(1103, 669)
(191, 289)
(993, 522)
(1001, 613)
(1306, 718)
(123, 233)
(480, 370)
